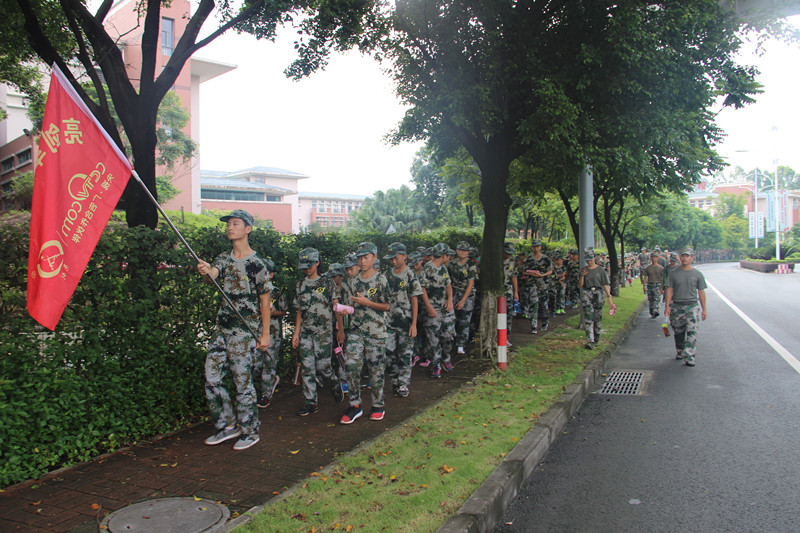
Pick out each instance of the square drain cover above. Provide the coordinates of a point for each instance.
(625, 382)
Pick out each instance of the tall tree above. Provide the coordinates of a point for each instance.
(66, 33)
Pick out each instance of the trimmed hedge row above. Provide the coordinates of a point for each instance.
(126, 361)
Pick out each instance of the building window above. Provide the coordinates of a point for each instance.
(8, 164)
(237, 196)
(23, 157)
(167, 36)
(273, 198)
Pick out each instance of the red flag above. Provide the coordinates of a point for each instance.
(80, 175)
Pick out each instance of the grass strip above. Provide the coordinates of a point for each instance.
(414, 477)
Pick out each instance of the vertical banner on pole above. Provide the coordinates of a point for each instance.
(760, 225)
(785, 213)
(502, 333)
(771, 212)
(751, 222)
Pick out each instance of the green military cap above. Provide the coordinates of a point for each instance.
(350, 260)
(588, 253)
(556, 254)
(421, 250)
(473, 252)
(336, 269)
(269, 263)
(450, 251)
(653, 254)
(239, 213)
(414, 258)
(687, 251)
(463, 245)
(440, 249)
(508, 247)
(365, 248)
(307, 258)
(396, 248)
(673, 256)
(429, 251)
(657, 248)
(573, 251)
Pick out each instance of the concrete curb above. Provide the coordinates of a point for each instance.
(485, 508)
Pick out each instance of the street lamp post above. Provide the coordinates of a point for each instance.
(755, 204)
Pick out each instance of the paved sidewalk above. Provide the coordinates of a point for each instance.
(76, 499)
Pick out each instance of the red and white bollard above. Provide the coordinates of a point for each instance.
(502, 333)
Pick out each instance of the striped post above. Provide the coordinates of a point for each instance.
(502, 333)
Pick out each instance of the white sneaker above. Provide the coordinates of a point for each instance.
(223, 435)
(460, 350)
(245, 442)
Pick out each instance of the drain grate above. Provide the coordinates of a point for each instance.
(623, 382)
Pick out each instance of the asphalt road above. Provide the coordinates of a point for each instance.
(709, 448)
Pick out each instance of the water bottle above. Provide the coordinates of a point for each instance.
(612, 310)
(517, 308)
(665, 328)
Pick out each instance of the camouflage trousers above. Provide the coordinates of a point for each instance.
(265, 367)
(439, 335)
(592, 302)
(573, 290)
(463, 317)
(234, 353)
(537, 305)
(315, 363)
(359, 349)
(509, 311)
(557, 297)
(399, 351)
(684, 319)
(654, 297)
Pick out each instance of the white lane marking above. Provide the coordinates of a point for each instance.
(783, 352)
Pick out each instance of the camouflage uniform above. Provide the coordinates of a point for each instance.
(685, 310)
(265, 368)
(234, 348)
(399, 345)
(435, 281)
(537, 289)
(573, 277)
(509, 272)
(558, 288)
(314, 301)
(593, 298)
(654, 275)
(366, 338)
(460, 276)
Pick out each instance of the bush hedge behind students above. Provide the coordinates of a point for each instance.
(245, 279)
(368, 293)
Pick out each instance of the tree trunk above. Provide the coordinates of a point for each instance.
(488, 325)
(139, 209)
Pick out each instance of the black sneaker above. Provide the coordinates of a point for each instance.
(307, 409)
(263, 402)
(545, 326)
(352, 413)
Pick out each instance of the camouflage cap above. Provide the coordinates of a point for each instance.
(421, 249)
(657, 248)
(239, 213)
(653, 254)
(428, 251)
(463, 245)
(573, 251)
(396, 248)
(450, 251)
(269, 263)
(687, 251)
(473, 252)
(414, 258)
(307, 258)
(557, 254)
(440, 249)
(365, 248)
(350, 261)
(588, 253)
(336, 269)
(535, 242)
(673, 256)
(508, 247)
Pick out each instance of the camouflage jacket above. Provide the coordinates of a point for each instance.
(461, 275)
(555, 282)
(402, 287)
(543, 264)
(314, 299)
(365, 320)
(435, 280)
(243, 280)
(278, 301)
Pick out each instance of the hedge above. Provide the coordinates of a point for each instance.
(126, 360)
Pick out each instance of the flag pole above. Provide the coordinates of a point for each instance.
(196, 257)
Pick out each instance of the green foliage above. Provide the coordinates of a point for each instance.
(126, 360)
(767, 253)
(734, 232)
(22, 185)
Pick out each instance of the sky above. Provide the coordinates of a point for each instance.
(331, 126)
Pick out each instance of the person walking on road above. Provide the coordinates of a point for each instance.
(651, 280)
(596, 287)
(685, 306)
(245, 279)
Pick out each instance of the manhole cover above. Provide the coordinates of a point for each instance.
(168, 515)
(625, 382)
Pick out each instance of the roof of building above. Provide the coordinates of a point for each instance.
(271, 171)
(332, 196)
(231, 183)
